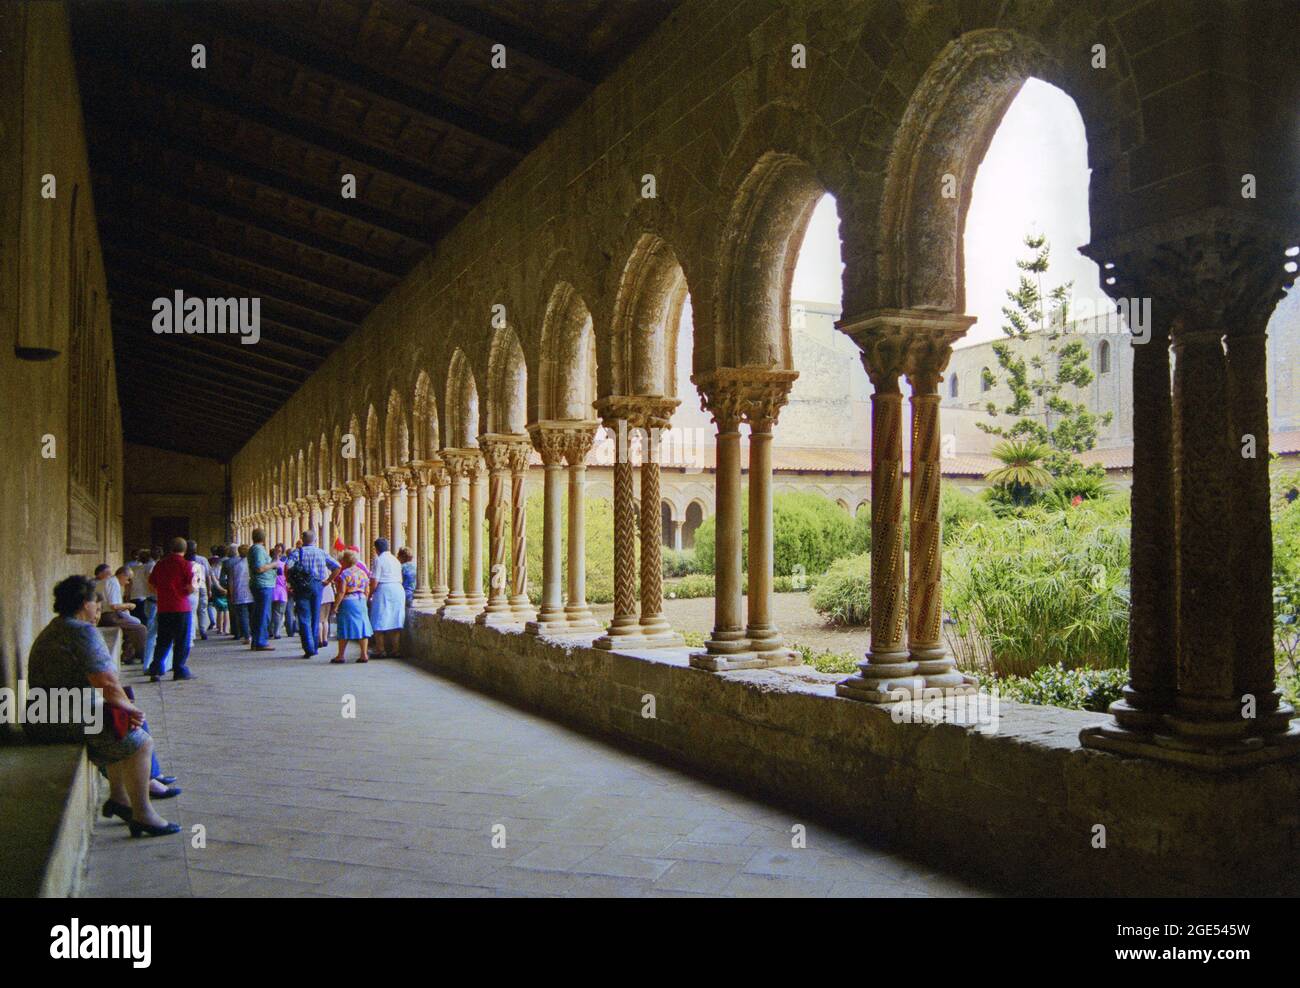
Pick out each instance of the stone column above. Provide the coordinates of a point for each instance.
(496, 456)
(419, 483)
(413, 506)
(474, 597)
(769, 391)
(359, 509)
(441, 480)
(326, 537)
(624, 630)
(460, 463)
(917, 344)
(727, 646)
(578, 445)
(308, 509)
(1211, 278)
(396, 478)
(653, 416)
(550, 440)
(520, 455)
(677, 535)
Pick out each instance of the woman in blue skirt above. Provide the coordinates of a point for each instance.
(387, 601)
(351, 587)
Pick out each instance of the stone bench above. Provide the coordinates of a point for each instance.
(49, 794)
(1022, 806)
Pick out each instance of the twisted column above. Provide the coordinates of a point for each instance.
(624, 630)
(917, 344)
(550, 440)
(652, 417)
(579, 439)
(496, 455)
(520, 455)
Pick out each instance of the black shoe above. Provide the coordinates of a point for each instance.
(154, 678)
(202, 636)
(144, 830)
(188, 675)
(112, 808)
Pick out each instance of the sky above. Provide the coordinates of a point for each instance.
(1034, 177)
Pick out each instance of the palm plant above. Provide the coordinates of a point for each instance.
(1021, 474)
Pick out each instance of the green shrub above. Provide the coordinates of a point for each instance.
(809, 533)
(689, 587)
(827, 661)
(1054, 685)
(1040, 588)
(599, 530)
(958, 509)
(843, 595)
(679, 562)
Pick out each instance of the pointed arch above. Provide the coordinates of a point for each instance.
(568, 364)
(424, 419)
(507, 409)
(462, 404)
(650, 290)
(397, 445)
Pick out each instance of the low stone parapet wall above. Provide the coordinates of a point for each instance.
(1006, 797)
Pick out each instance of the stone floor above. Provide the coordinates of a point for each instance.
(405, 799)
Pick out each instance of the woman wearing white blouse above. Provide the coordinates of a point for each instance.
(387, 601)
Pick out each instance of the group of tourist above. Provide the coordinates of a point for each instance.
(162, 601)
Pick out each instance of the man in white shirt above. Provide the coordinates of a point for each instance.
(117, 613)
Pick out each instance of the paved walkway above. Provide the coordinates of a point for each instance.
(404, 800)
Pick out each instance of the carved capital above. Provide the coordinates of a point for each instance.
(638, 411)
(357, 488)
(463, 463)
(558, 440)
(752, 394)
(911, 343)
(1209, 271)
(502, 450)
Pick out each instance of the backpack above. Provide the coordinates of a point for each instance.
(299, 579)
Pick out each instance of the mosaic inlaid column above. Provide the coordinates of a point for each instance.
(624, 629)
(1213, 281)
(653, 416)
(577, 447)
(917, 344)
(550, 440)
(496, 457)
(727, 647)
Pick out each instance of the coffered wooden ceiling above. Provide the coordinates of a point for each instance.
(225, 181)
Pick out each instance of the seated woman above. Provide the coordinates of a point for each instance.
(70, 654)
(351, 588)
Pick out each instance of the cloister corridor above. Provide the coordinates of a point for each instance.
(402, 801)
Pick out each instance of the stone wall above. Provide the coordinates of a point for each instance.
(61, 485)
(1019, 808)
(161, 483)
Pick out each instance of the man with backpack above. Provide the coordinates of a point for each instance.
(310, 568)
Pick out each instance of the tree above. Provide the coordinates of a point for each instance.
(1040, 363)
(1020, 475)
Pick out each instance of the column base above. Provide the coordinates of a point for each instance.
(656, 632)
(899, 677)
(424, 601)
(476, 601)
(1209, 736)
(495, 612)
(456, 608)
(719, 662)
(623, 632)
(523, 610)
(580, 620)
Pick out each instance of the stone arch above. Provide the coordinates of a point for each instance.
(424, 419)
(397, 444)
(757, 256)
(567, 369)
(649, 292)
(324, 463)
(462, 404)
(692, 518)
(507, 379)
